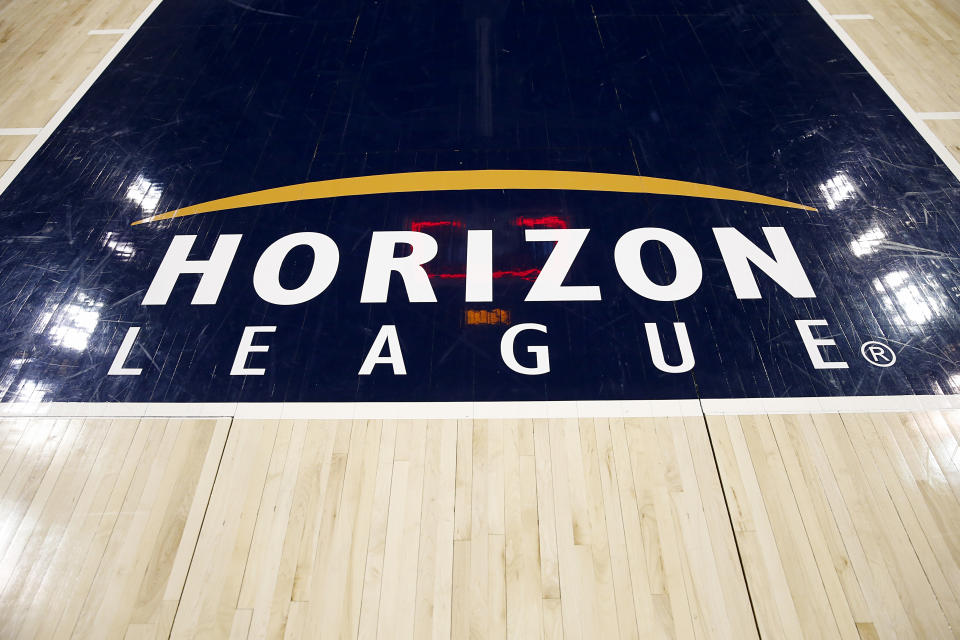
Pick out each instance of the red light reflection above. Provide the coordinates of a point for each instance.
(420, 225)
(525, 274)
(548, 222)
(545, 222)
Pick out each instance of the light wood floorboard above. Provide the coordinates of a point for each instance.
(46, 52)
(948, 131)
(99, 522)
(848, 524)
(916, 46)
(845, 526)
(590, 528)
(12, 146)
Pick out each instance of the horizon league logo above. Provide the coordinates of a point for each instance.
(740, 256)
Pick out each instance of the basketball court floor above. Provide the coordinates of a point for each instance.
(371, 319)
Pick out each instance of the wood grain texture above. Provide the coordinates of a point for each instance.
(845, 526)
(848, 524)
(45, 54)
(916, 45)
(350, 527)
(12, 146)
(949, 132)
(96, 517)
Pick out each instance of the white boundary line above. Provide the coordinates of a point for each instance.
(74, 98)
(479, 410)
(852, 16)
(952, 163)
(428, 410)
(108, 32)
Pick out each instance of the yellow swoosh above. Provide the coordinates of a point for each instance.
(495, 179)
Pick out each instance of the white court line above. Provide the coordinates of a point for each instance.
(107, 32)
(483, 410)
(74, 98)
(853, 16)
(20, 132)
(939, 115)
(952, 163)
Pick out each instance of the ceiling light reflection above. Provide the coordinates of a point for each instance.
(868, 242)
(124, 250)
(144, 193)
(73, 323)
(896, 278)
(837, 189)
(906, 300)
(31, 391)
(955, 382)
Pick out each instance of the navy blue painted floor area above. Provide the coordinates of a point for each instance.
(216, 98)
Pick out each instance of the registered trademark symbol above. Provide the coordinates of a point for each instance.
(878, 354)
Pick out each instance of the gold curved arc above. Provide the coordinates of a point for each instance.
(484, 179)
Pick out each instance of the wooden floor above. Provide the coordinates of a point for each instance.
(797, 526)
(815, 526)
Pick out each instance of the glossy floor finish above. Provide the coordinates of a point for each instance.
(741, 525)
(213, 99)
(817, 526)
